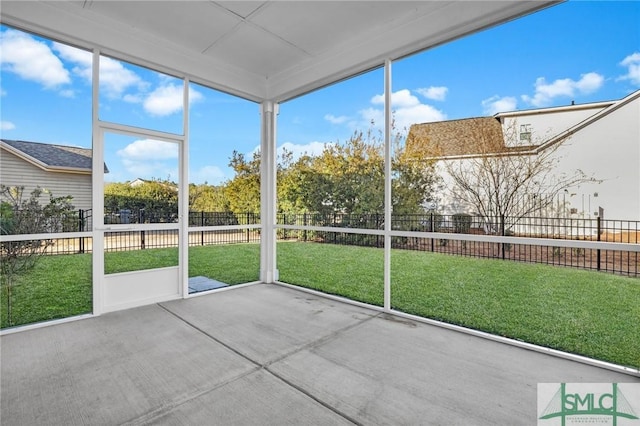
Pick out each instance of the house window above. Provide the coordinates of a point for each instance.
(525, 132)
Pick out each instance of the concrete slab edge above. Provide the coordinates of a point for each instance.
(331, 296)
(42, 324)
(505, 340)
(521, 344)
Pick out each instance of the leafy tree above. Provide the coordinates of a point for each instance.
(345, 178)
(349, 178)
(207, 198)
(150, 201)
(19, 215)
(243, 191)
(414, 183)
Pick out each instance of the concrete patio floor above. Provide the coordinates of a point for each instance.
(270, 355)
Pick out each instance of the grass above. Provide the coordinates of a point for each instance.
(230, 264)
(60, 286)
(57, 287)
(583, 312)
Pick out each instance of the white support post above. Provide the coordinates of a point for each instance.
(183, 193)
(387, 185)
(97, 185)
(268, 270)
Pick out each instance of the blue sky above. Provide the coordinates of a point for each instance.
(582, 51)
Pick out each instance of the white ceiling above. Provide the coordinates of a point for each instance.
(260, 50)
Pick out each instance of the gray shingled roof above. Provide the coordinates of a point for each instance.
(59, 156)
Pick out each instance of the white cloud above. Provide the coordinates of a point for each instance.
(150, 170)
(566, 87)
(150, 159)
(336, 120)
(7, 125)
(149, 149)
(407, 110)
(422, 113)
(632, 62)
(115, 79)
(166, 100)
(132, 99)
(31, 59)
(67, 93)
(297, 150)
(496, 104)
(400, 99)
(213, 175)
(436, 93)
(370, 116)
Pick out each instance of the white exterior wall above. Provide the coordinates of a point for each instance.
(607, 149)
(14, 171)
(545, 124)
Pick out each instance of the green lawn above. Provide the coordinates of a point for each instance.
(588, 313)
(58, 287)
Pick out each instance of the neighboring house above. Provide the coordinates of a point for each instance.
(138, 182)
(62, 170)
(601, 139)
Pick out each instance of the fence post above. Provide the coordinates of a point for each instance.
(284, 221)
(378, 243)
(248, 220)
(80, 229)
(305, 222)
(502, 233)
(599, 227)
(432, 227)
(141, 216)
(202, 224)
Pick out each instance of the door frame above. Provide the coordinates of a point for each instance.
(125, 290)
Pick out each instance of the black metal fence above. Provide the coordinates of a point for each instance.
(585, 229)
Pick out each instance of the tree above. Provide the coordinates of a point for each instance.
(510, 183)
(207, 198)
(344, 178)
(349, 178)
(150, 201)
(28, 216)
(243, 191)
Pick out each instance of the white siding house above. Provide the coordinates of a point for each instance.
(62, 170)
(601, 139)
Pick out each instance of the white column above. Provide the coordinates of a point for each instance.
(97, 189)
(387, 185)
(268, 271)
(183, 194)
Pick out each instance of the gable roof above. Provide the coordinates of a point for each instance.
(483, 136)
(453, 138)
(53, 158)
